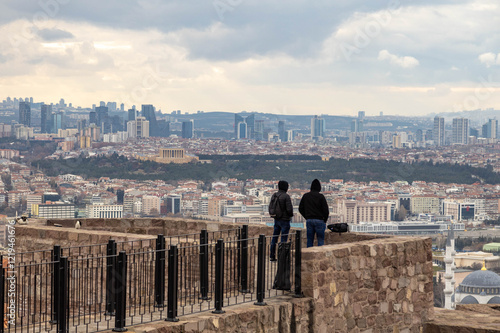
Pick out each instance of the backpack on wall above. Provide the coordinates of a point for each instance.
(338, 227)
(274, 207)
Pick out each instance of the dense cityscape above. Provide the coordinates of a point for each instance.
(67, 133)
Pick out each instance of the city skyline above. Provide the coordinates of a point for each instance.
(395, 57)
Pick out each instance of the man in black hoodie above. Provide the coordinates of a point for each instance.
(281, 222)
(314, 208)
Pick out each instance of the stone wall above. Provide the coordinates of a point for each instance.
(355, 283)
(383, 285)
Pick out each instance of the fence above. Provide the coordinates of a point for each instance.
(110, 286)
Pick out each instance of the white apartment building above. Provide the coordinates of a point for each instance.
(102, 211)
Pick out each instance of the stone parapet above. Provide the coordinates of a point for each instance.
(474, 318)
(383, 284)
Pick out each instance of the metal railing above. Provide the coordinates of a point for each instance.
(119, 284)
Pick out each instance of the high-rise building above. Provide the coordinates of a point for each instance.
(460, 133)
(131, 114)
(490, 129)
(148, 112)
(259, 130)
(187, 129)
(57, 122)
(419, 136)
(102, 114)
(317, 127)
(92, 117)
(25, 113)
(174, 204)
(282, 131)
(138, 128)
(46, 116)
(250, 125)
(361, 115)
(438, 132)
(356, 125)
(242, 132)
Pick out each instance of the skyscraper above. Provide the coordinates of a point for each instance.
(250, 125)
(92, 117)
(242, 130)
(317, 127)
(57, 121)
(490, 129)
(259, 130)
(102, 114)
(187, 129)
(438, 132)
(148, 112)
(356, 125)
(46, 116)
(460, 134)
(25, 113)
(131, 114)
(282, 132)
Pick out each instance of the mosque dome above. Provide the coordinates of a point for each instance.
(482, 279)
(494, 300)
(469, 300)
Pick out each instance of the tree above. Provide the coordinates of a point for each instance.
(401, 214)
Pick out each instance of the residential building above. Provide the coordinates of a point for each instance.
(151, 205)
(438, 132)
(25, 113)
(460, 134)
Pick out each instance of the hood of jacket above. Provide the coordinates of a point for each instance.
(316, 185)
(283, 185)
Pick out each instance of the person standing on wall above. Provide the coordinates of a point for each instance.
(283, 212)
(314, 208)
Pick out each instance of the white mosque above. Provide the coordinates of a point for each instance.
(479, 287)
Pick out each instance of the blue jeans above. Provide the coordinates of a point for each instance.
(282, 227)
(315, 226)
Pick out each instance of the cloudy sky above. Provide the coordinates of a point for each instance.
(290, 57)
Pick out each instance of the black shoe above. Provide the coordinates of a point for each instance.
(272, 259)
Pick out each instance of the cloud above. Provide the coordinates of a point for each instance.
(404, 62)
(489, 59)
(54, 34)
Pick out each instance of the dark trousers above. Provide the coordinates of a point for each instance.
(283, 227)
(315, 227)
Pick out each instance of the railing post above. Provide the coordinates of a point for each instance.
(244, 259)
(120, 275)
(172, 284)
(298, 264)
(219, 277)
(110, 268)
(204, 265)
(261, 268)
(160, 272)
(56, 257)
(63, 309)
(2, 295)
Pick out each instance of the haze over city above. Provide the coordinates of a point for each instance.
(319, 57)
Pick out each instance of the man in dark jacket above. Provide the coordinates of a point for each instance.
(314, 208)
(281, 222)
